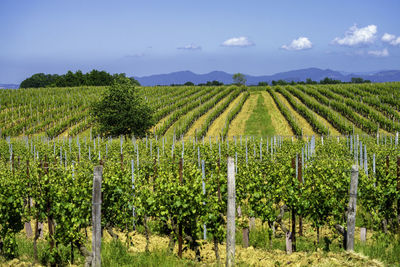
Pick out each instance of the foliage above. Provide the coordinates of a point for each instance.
(213, 83)
(239, 78)
(286, 113)
(122, 111)
(147, 182)
(70, 79)
(359, 80)
(216, 112)
(233, 113)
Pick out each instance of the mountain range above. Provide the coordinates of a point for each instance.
(315, 74)
(9, 86)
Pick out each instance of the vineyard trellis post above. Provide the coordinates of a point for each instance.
(96, 214)
(300, 179)
(230, 235)
(180, 231)
(352, 208)
(398, 189)
(293, 233)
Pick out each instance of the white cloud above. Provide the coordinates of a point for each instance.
(238, 41)
(379, 53)
(300, 43)
(388, 37)
(355, 36)
(395, 42)
(391, 39)
(190, 47)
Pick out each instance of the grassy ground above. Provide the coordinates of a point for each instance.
(307, 129)
(261, 252)
(259, 122)
(237, 127)
(216, 127)
(197, 124)
(278, 121)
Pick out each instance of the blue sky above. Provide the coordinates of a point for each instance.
(150, 37)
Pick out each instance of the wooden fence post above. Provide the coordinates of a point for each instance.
(300, 178)
(96, 216)
(351, 215)
(28, 226)
(398, 189)
(363, 234)
(180, 229)
(230, 235)
(293, 233)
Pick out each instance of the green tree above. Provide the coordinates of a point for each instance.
(134, 81)
(310, 81)
(263, 84)
(357, 80)
(239, 78)
(188, 84)
(70, 79)
(216, 83)
(329, 81)
(121, 110)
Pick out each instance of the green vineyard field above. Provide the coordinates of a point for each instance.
(313, 109)
(174, 184)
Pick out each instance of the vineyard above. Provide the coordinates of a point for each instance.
(302, 110)
(293, 148)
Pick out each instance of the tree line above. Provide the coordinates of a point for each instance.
(208, 83)
(240, 79)
(70, 79)
(326, 80)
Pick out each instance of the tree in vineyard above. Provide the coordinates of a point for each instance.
(122, 111)
(239, 78)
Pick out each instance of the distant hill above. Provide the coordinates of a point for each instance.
(9, 86)
(315, 74)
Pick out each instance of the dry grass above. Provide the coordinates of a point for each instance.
(216, 127)
(252, 256)
(199, 122)
(278, 121)
(238, 125)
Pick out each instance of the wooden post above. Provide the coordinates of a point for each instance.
(96, 216)
(398, 189)
(352, 208)
(387, 165)
(252, 223)
(246, 237)
(50, 222)
(180, 230)
(230, 235)
(28, 227)
(363, 234)
(203, 177)
(218, 185)
(300, 178)
(293, 233)
(288, 242)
